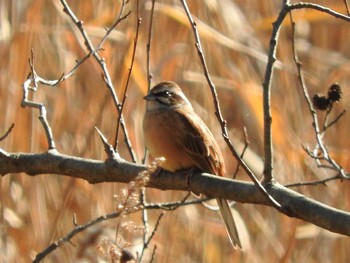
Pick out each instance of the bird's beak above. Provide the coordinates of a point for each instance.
(149, 97)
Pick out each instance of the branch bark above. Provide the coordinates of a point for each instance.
(292, 203)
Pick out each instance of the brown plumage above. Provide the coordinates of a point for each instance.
(174, 131)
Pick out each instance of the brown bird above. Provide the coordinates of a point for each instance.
(174, 131)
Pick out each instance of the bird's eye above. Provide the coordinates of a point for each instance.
(165, 94)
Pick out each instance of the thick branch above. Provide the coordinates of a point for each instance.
(117, 170)
(52, 162)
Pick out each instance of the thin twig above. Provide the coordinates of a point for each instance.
(145, 245)
(246, 144)
(302, 5)
(121, 108)
(174, 205)
(346, 2)
(34, 80)
(327, 125)
(149, 42)
(328, 112)
(7, 133)
(316, 182)
(218, 110)
(74, 69)
(119, 19)
(149, 79)
(153, 256)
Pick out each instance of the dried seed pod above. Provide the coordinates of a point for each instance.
(321, 102)
(335, 92)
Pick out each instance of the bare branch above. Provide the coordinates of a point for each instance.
(31, 84)
(268, 147)
(128, 79)
(292, 203)
(149, 42)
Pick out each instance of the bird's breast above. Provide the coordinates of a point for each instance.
(163, 134)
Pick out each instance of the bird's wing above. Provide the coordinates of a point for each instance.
(199, 143)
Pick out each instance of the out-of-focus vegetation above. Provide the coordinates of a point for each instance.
(235, 37)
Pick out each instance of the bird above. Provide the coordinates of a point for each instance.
(174, 131)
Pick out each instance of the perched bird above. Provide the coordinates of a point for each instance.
(174, 131)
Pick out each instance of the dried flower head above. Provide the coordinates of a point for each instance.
(321, 102)
(335, 92)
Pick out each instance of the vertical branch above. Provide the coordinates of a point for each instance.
(149, 74)
(120, 119)
(268, 147)
(144, 215)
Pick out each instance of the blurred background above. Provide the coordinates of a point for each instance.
(235, 36)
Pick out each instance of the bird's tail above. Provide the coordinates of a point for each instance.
(229, 222)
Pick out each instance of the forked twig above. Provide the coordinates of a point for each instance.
(31, 84)
(119, 19)
(77, 229)
(106, 75)
(320, 152)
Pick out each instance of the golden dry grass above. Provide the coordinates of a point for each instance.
(235, 36)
